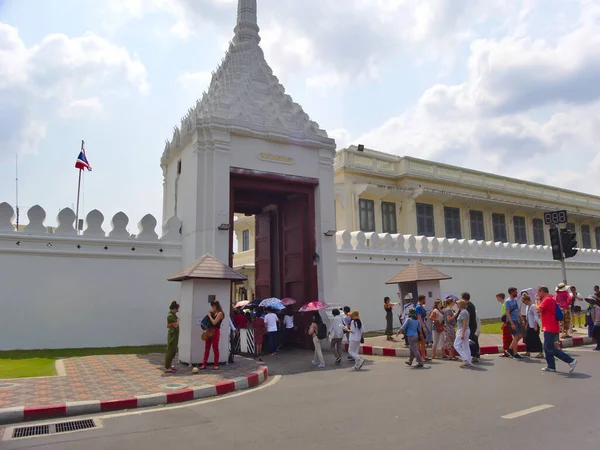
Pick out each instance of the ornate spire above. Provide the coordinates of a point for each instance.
(246, 28)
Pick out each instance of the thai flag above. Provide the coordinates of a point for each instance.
(82, 162)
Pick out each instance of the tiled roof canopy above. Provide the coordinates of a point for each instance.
(418, 272)
(207, 267)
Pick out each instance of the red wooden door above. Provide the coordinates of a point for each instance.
(262, 256)
(294, 249)
(294, 253)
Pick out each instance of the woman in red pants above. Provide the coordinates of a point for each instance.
(216, 316)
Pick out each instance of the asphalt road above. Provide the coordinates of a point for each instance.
(386, 405)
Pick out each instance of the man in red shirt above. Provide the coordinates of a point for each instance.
(546, 306)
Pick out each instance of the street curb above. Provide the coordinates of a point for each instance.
(37, 412)
(485, 350)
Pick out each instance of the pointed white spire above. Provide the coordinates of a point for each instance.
(246, 28)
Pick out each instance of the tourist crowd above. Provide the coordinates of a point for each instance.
(452, 327)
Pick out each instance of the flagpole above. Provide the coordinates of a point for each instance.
(78, 192)
(17, 186)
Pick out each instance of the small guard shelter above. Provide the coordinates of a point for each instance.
(205, 280)
(417, 279)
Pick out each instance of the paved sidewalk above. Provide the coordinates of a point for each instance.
(111, 382)
(485, 340)
(489, 344)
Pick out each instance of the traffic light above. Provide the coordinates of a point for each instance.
(555, 244)
(569, 243)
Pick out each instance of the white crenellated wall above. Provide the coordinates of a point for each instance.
(99, 289)
(106, 288)
(367, 260)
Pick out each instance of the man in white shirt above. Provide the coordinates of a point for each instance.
(336, 333)
(271, 321)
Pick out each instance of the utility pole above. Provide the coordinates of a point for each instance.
(562, 256)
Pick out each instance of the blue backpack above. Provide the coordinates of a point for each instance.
(558, 313)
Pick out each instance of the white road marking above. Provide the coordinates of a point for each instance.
(527, 411)
(270, 382)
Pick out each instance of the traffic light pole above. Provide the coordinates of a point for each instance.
(562, 256)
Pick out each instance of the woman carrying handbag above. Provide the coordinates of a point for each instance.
(212, 335)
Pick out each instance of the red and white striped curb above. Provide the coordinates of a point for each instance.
(484, 350)
(23, 413)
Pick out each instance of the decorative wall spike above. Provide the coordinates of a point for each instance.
(94, 221)
(119, 224)
(66, 221)
(172, 230)
(147, 226)
(36, 216)
(7, 214)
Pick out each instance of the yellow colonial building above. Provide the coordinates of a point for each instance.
(378, 192)
(383, 193)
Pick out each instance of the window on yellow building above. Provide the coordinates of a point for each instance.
(367, 214)
(425, 222)
(597, 238)
(477, 225)
(571, 227)
(520, 230)
(586, 237)
(245, 240)
(452, 222)
(388, 217)
(499, 227)
(538, 232)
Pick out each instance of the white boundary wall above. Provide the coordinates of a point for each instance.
(61, 290)
(367, 260)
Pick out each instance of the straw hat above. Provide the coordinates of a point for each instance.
(354, 315)
(561, 287)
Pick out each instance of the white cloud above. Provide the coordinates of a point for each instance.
(82, 106)
(342, 137)
(353, 38)
(195, 81)
(530, 107)
(30, 137)
(59, 74)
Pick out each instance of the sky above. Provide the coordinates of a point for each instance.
(508, 87)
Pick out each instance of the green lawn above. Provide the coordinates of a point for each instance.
(491, 326)
(40, 363)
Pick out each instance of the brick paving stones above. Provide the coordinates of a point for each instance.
(107, 377)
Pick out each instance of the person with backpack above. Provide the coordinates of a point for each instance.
(413, 330)
(318, 331)
(551, 317)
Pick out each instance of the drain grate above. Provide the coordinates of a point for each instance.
(35, 430)
(76, 425)
(53, 428)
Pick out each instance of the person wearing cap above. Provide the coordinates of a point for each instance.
(413, 329)
(172, 336)
(564, 303)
